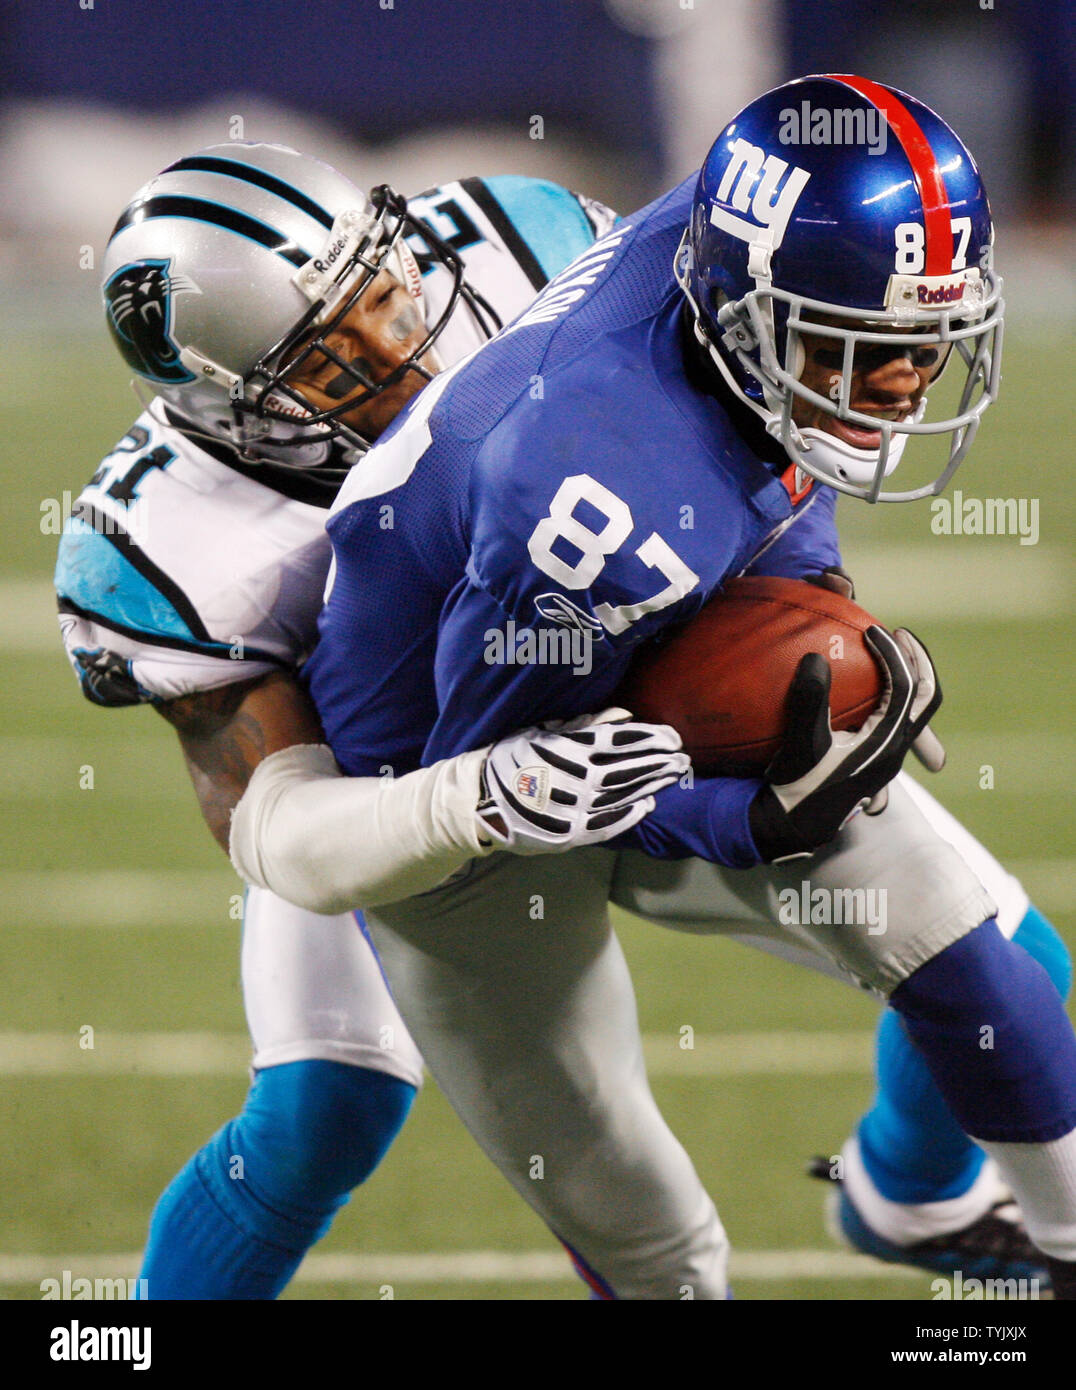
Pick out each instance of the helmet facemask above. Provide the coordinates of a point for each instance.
(757, 343)
(273, 420)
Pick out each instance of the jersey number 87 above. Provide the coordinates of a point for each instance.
(596, 546)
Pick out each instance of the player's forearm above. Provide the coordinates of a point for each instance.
(217, 798)
(227, 731)
(330, 843)
(708, 820)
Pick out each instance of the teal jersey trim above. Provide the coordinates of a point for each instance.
(547, 217)
(92, 573)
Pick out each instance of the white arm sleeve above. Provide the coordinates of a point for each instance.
(330, 843)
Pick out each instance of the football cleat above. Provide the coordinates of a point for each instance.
(995, 1246)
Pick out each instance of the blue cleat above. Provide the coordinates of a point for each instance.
(995, 1246)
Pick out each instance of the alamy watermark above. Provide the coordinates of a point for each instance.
(77, 1343)
(69, 1288)
(818, 125)
(833, 907)
(970, 1288)
(523, 646)
(57, 514)
(958, 515)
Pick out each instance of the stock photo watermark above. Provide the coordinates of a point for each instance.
(968, 1288)
(809, 125)
(77, 1343)
(69, 1288)
(834, 907)
(957, 515)
(523, 646)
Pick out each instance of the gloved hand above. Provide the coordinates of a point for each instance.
(819, 779)
(563, 785)
(927, 747)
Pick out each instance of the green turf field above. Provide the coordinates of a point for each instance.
(93, 1135)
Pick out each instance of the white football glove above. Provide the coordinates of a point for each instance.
(564, 785)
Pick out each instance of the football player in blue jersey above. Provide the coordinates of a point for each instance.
(759, 339)
(324, 1105)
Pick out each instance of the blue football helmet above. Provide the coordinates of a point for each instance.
(842, 209)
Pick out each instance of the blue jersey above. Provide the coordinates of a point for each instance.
(561, 496)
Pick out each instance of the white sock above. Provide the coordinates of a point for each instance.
(907, 1223)
(1043, 1180)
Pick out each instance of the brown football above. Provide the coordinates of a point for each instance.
(722, 679)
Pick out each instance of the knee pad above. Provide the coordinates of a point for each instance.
(311, 1131)
(993, 1030)
(1042, 943)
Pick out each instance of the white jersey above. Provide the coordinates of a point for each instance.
(183, 569)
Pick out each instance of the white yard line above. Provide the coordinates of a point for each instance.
(45, 767)
(943, 578)
(125, 764)
(123, 1054)
(192, 898)
(223, 1054)
(121, 898)
(28, 625)
(462, 1267)
(961, 579)
(760, 1054)
(1021, 763)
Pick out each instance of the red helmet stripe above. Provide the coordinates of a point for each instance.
(928, 178)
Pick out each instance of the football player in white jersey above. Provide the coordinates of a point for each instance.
(191, 576)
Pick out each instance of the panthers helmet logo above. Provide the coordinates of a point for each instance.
(138, 303)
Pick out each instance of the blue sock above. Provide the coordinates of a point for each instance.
(911, 1146)
(236, 1222)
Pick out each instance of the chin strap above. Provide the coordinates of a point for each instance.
(833, 457)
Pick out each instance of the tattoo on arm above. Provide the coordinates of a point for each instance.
(226, 733)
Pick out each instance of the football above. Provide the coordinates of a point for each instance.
(722, 679)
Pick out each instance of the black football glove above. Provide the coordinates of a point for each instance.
(837, 580)
(819, 779)
(927, 747)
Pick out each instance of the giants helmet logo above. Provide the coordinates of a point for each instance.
(138, 304)
(752, 182)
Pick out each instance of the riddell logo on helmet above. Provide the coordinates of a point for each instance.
(944, 294)
(279, 405)
(412, 276)
(332, 255)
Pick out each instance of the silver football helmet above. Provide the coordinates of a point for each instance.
(231, 267)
